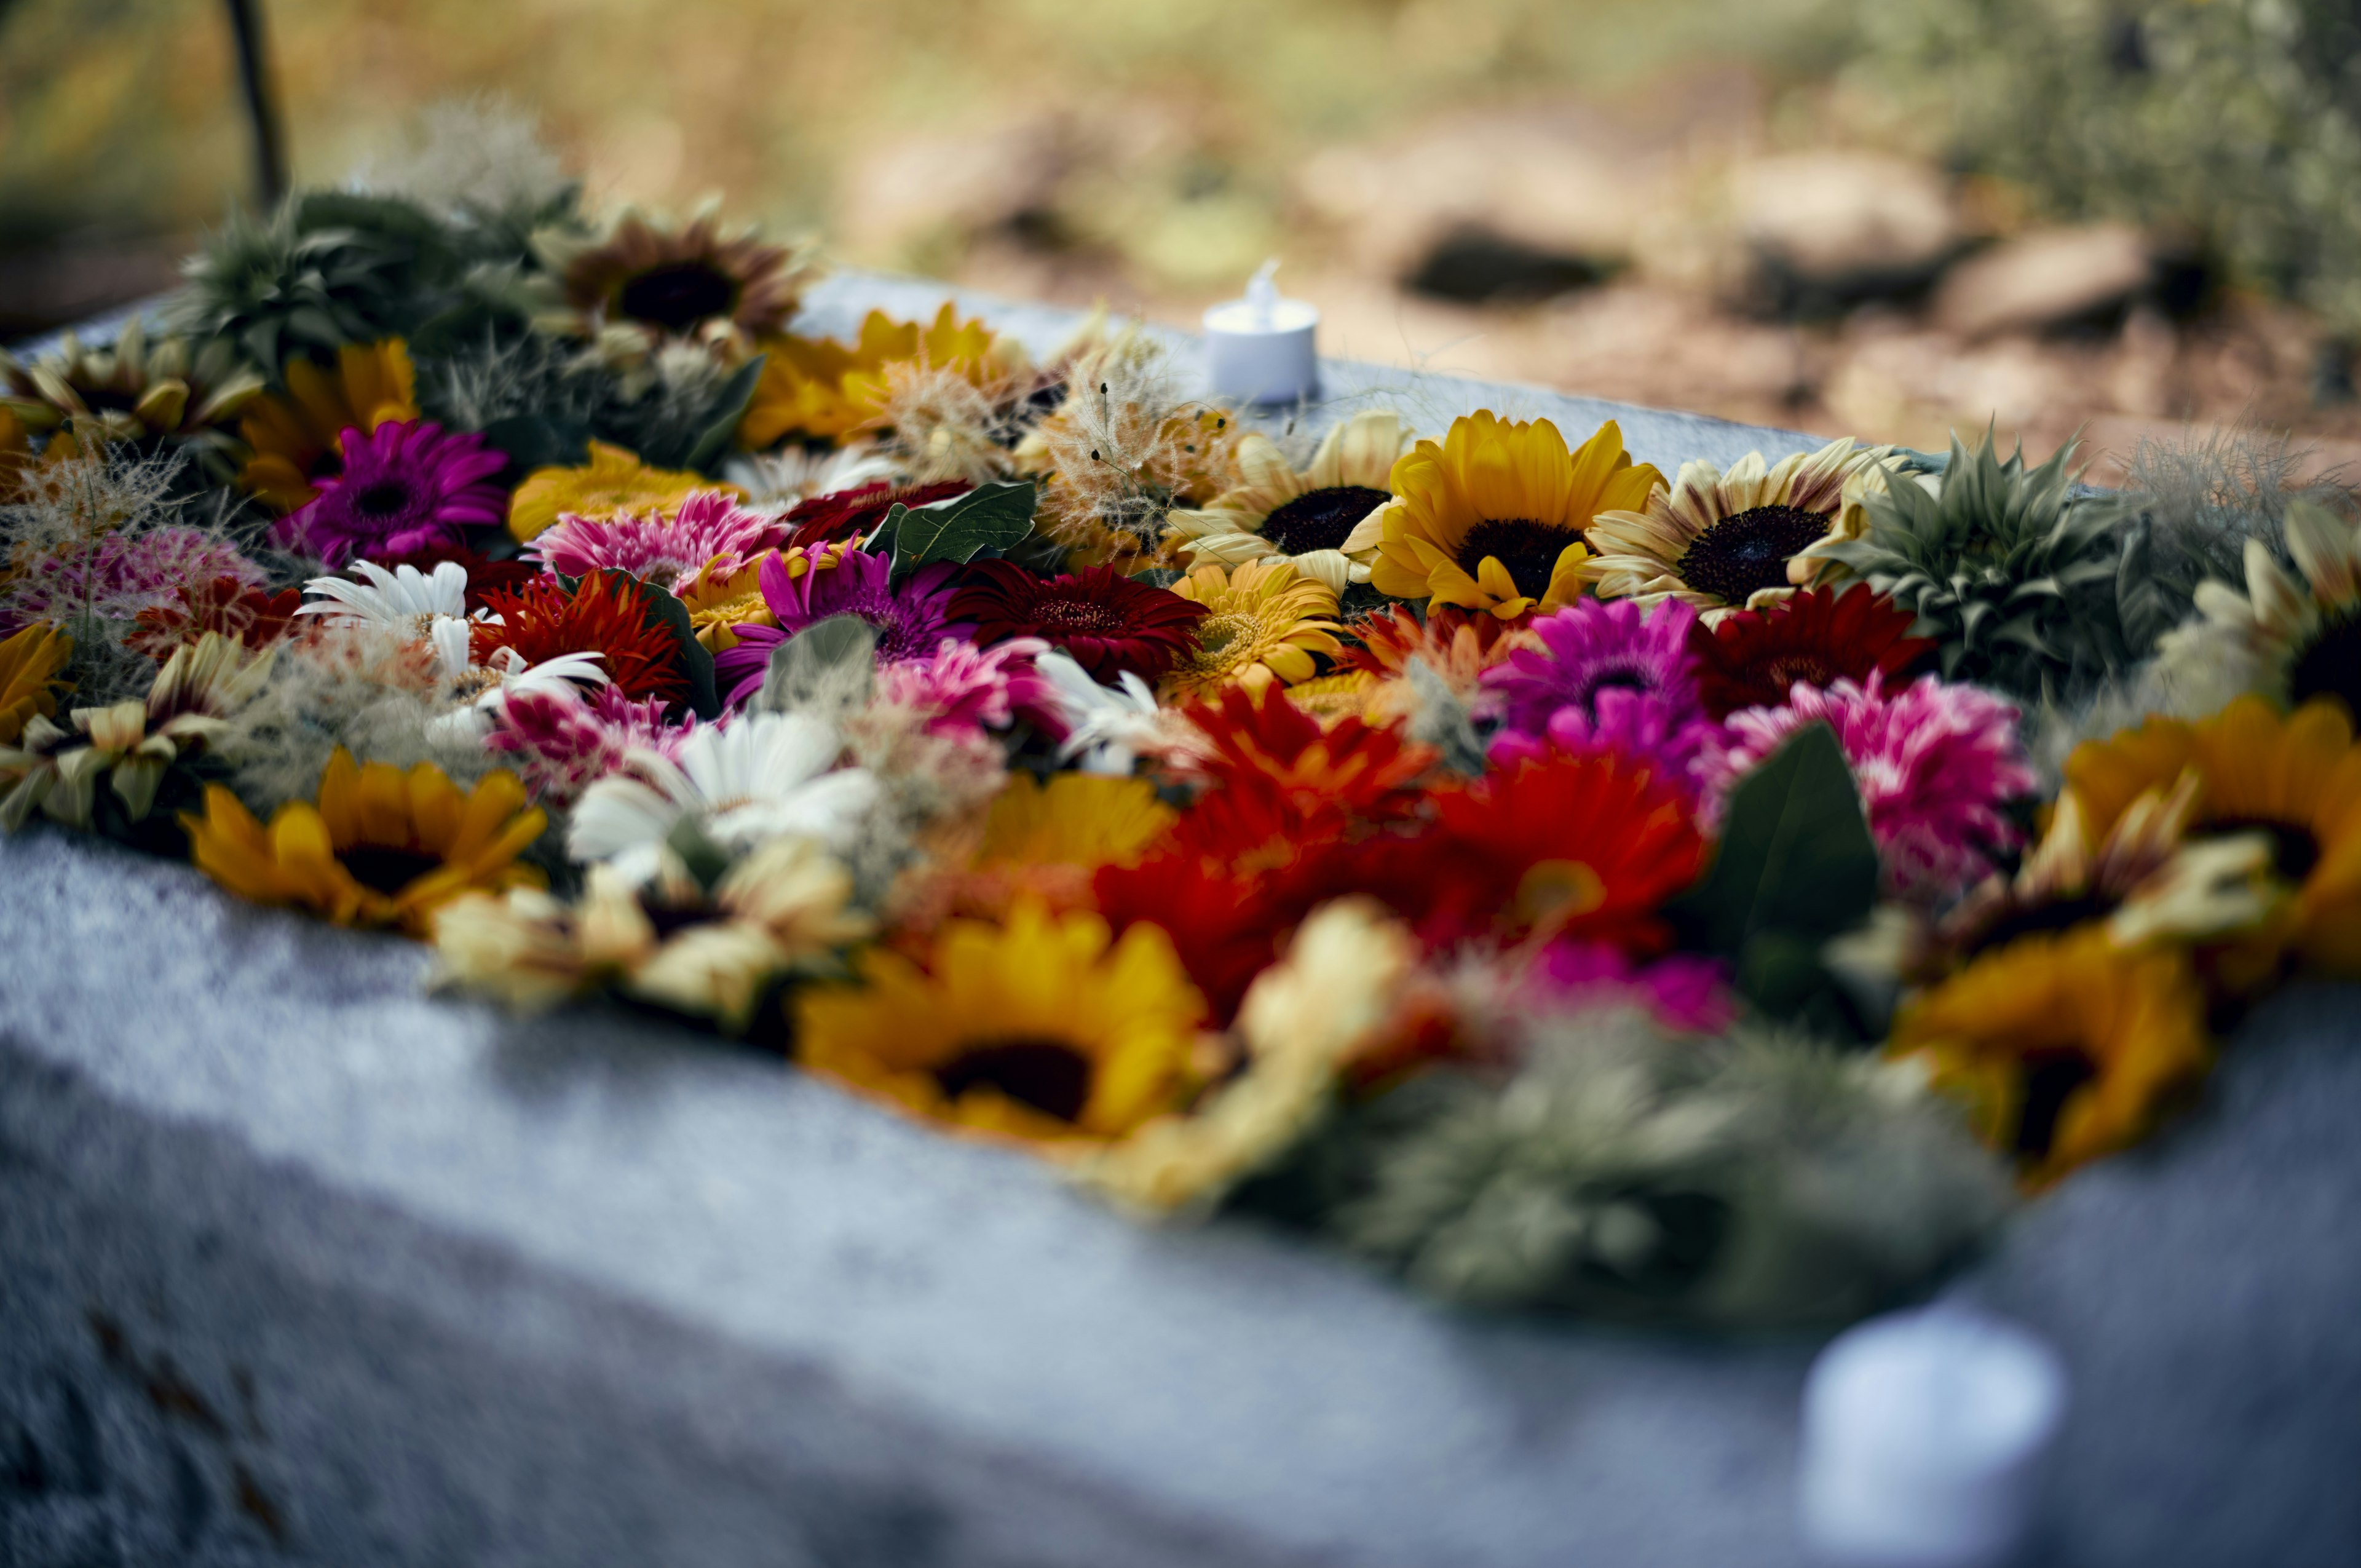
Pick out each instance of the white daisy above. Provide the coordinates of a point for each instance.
(778, 480)
(760, 776)
(404, 600)
(482, 687)
(1107, 726)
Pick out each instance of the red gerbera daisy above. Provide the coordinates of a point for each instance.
(1751, 658)
(1582, 846)
(485, 574)
(1106, 621)
(606, 614)
(226, 605)
(852, 514)
(1456, 645)
(1277, 777)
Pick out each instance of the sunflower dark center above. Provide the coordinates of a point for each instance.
(2294, 852)
(106, 400)
(1747, 552)
(1323, 519)
(1078, 617)
(677, 295)
(2050, 1080)
(387, 870)
(1528, 549)
(1048, 1075)
(2331, 664)
(384, 498)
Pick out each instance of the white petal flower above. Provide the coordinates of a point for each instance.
(404, 600)
(481, 688)
(1105, 726)
(759, 777)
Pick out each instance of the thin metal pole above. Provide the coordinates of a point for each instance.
(261, 111)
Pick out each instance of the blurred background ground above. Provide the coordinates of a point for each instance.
(1886, 218)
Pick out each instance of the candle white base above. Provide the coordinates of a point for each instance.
(1923, 1437)
(1263, 355)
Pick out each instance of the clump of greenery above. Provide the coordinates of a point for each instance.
(2242, 117)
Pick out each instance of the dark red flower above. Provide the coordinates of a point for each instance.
(485, 574)
(1751, 658)
(1277, 777)
(226, 605)
(606, 614)
(852, 514)
(1107, 622)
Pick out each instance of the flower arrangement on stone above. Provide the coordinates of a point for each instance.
(1550, 879)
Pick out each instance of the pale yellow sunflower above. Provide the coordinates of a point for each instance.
(1728, 542)
(132, 391)
(2292, 637)
(1492, 518)
(382, 848)
(1300, 517)
(1265, 622)
(612, 483)
(2064, 1048)
(294, 435)
(642, 284)
(1046, 1030)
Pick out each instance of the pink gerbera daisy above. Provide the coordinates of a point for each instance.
(1683, 991)
(120, 574)
(1609, 675)
(560, 741)
(711, 525)
(408, 485)
(966, 689)
(1935, 764)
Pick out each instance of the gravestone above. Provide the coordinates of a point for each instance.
(301, 1265)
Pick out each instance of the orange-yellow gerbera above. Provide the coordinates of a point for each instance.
(2295, 778)
(2064, 1048)
(30, 662)
(1492, 518)
(612, 483)
(382, 848)
(294, 434)
(1044, 1030)
(725, 595)
(1265, 622)
(816, 387)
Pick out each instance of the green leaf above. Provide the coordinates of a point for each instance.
(990, 517)
(728, 408)
(705, 860)
(532, 441)
(1795, 867)
(704, 700)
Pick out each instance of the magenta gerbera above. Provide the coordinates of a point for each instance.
(965, 689)
(1685, 991)
(1935, 763)
(1609, 675)
(559, 741)
(709, 526)
(408, 485)
(911, 621)
(120, 574)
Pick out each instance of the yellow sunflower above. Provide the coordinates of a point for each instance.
(1492, 518)
(2064, 1048)
(2293, 778)
(1302, 518)
(1267, 621)
(131, 389)
(641, 283)
(1044, 1030)
(2291, 637)
(382, 847)
(31, 663)
(1725, 542)
(1336, 990)
(613, 482)
(1075, 819)
(294, 435)
(800, 389)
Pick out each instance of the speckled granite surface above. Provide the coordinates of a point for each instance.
(298, 1265)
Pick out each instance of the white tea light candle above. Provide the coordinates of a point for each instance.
(1260, 349)
(1923, 1433)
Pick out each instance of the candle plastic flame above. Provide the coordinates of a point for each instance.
(1262, 294)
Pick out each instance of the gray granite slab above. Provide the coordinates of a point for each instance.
(299, 1265)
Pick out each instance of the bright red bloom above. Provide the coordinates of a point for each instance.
(226, 605)
(1105, 621)
(484, 574)
(1574, 845)
(1751, 658)
(607, 614)
(852, 514)
(1277, 777)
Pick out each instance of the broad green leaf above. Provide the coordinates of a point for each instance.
(990, 517)
(728, 408)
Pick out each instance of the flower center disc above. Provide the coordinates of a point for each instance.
(1747, 552)
(386, 869)
(1528, 549)
(387, 498)
(677, 295)
(2330, 666)
(2294, 850)
(1322, 519)
(1215, 634)
(1048, 1075)
(1078, 617)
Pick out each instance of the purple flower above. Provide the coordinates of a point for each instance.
(408, 485)
(1607, 676)
(911, 621)
(120, 574)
